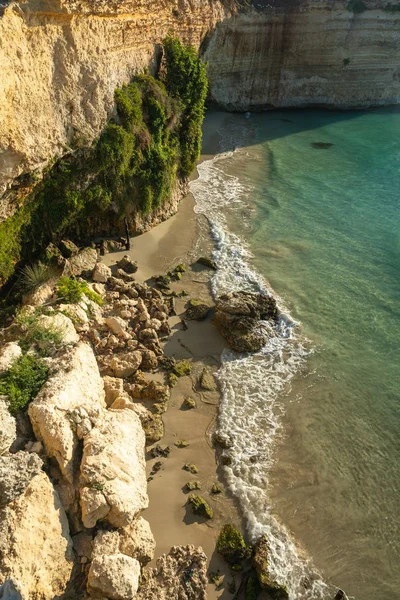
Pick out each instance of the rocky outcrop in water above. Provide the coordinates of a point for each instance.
(244, 319)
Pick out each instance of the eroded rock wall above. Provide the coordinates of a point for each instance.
(60, 62)
(305, 54)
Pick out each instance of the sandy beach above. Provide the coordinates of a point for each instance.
(182, 239)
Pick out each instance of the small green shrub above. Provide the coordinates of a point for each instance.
(356, 6)
(35, 333)
(23, 381)
(33, 277)
(71, 291)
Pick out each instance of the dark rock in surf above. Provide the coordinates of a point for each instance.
(239, 316)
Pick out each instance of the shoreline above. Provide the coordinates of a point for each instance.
(183, 238)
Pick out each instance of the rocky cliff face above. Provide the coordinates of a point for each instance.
(292, 54)
(60, 63)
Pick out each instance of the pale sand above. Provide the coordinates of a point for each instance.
(184, 238)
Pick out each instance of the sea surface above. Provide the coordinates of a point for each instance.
(306, 205)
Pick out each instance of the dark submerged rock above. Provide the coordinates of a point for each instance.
(260, 563)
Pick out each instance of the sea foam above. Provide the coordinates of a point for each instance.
(250, 409)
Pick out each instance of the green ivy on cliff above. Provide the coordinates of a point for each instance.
(154, 137)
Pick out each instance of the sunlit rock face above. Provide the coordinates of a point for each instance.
(60, 62)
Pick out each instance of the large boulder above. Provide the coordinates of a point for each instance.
(241, 318)
(260, 563)
(16, 473)
(127, 264)
(82, 263)
(137, 540)
(35, 545)
(112, 573)
(197, 310)
(68, 248)
(61, 324)
(101, 273)
(8, 428)
(169, 579)
(74, 393)
(8, 354)
(113, 470)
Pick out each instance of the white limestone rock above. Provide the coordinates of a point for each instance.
(137, 540)
(113, 466)
(118, 327)
(115, 576)
(8, 427)
(62, 325)
(126, 364)
(35, 545)
(76, 385)
(9, 354)
(113, 387)
(101, 273)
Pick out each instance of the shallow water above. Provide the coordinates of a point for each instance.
(315, 416)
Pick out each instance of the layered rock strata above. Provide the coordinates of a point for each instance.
(312, 53)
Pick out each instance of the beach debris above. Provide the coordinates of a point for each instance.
(215, 489)
(193, 485)
(200, 506)
(207, 262)
(242, 317)
(207, 381)
(189, 403)
(191, 468)
(127, 264)
(197, 310)
(261, 565)
(181, 444)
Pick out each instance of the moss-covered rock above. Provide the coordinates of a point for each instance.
(193, 485)
(200, 506)
(207, 262)
(191, 468)
(231, 545)
(197, 310)
(253, 588)
(181, 444)
(182, 368)
(261, 565)
(153, 428)
(189, 403)
(172, 379)
(215, 577)
(215, 489)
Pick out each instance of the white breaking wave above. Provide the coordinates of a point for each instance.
(250, 410)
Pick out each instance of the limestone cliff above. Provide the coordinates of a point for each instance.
(291, 54)
(60, 63)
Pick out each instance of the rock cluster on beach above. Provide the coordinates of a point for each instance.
(73, 479)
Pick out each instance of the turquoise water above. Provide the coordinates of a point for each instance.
(320, 228)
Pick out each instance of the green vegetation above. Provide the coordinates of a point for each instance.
(356, 6)
(154, 138)
(35, 333)
(23, 381)
(71, 291)
(231, 545)
(253, 588)
(34, 276)
(200, 506)
(182, 368)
